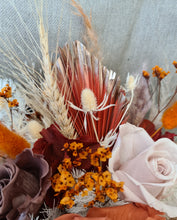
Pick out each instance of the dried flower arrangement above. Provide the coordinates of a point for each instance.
(82, 146)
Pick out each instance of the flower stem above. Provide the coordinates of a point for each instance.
(156, 131)
(128, 106)
(11, 119)
(165, 105)
(159, 85)
(94, 128)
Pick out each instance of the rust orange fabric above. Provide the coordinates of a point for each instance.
(132, 211)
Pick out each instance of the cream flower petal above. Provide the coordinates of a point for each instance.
(131, 141)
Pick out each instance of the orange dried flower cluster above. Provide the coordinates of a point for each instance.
(146, 74)
(13, 103)
(6, 92)
(175, 65)
(159, 72)
(62, 180)
(102, 185)
(78, 151)
(99, 182)
(101, 155)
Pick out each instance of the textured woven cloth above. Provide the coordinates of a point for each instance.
(132, 34)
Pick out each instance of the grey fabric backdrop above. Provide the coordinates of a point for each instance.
(132, 34)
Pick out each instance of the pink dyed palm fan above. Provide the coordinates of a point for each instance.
(96, 100)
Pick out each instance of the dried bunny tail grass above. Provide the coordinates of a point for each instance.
(90, 38)
(11, 144)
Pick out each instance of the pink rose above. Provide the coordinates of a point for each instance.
(147, 168)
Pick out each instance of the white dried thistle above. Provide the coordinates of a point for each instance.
(109, 139)
(131, 83)
(89, 105)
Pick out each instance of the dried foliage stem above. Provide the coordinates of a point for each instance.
(94, 128)
(11, 117)
(159, 87)
(127, 108)
(156, 131)
(160, 110)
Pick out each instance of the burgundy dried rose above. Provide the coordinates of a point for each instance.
(51, 145)
(23, 185)
(151, 130)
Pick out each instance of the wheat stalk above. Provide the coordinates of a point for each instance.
(50, 89)
(59, 109)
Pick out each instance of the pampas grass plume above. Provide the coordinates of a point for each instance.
(11, 144)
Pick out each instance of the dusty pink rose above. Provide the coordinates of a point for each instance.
(147, 168)
(23, 185)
